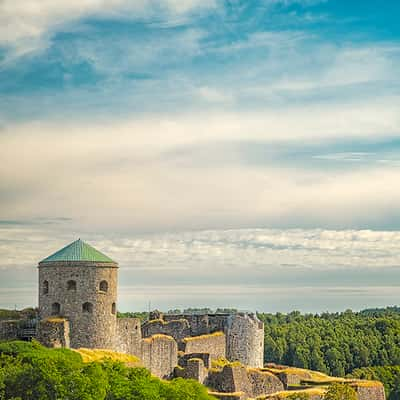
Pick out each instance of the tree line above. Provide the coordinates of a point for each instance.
(29, 371)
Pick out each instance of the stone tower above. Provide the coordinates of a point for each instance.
(80, 284)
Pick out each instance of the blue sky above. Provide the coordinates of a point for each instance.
(145, 117)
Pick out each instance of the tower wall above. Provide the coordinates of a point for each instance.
(245, 339)
(89, 308)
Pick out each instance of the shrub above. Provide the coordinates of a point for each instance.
(340, 391)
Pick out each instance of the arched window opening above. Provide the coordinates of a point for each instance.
(113, 308)
(71, 285)
(103, 286)
(55, 309)
(87, 307)
(45, 287)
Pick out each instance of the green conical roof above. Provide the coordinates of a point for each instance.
(78, 251)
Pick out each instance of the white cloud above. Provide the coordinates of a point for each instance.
(27, 25)
(214, 95)
(138, 173)
(264, 269)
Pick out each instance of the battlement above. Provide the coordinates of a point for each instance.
(244, 332)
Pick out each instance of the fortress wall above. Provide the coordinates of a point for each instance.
(177, 328)
(129, 336)
(199, 324)
(263, 382)
(205, 357)
(194, 369)
(160, 355)
(251, 382)
(213, 344)
(244, 333)
(54, 332)
(8, 330)
(245, 340)
(230, 380)
(370, 391)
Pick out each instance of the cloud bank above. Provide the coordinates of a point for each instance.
(264, 269)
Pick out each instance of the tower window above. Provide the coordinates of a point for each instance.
(103, 286)
(113, 308)
(71, 285)
(55, 309)
(87, 307)
(45, 287)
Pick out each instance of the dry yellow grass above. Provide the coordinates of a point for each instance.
(158, 336)
(193, 338)
(90, 355)
(235, 394)
(55, 319)
(305, 374)
(364, 383)
(287, 393)
(162, 322)
(220, 363)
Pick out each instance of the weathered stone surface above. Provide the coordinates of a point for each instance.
(263, 382)
(9, 330)
(244, 333)
(213, 344)
(194, 369)
(230, 379)
(73, 284)
(245, 340)
(129, 336)
(205, 357)
(290, 378)
(178, 329)
(370, 391)
(160, 355)
(54, 332)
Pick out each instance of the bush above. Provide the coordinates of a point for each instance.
(29, 371)
(340, 391)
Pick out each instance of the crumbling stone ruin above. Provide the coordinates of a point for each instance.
(224, 351)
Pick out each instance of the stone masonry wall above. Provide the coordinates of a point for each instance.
(8, 330)
(237, 378)
(245, 340)
(213, 344)
(194, 369)
(176, 328)
(129, 336)
(160, 355)
(263, 382)
(95, 328)
(370, 392)
(54, 332)
(230, 380)
(205, 357)
(199, 324)
(244, 333)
